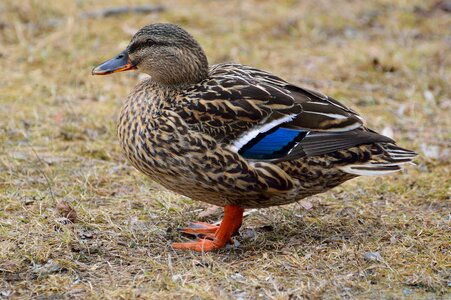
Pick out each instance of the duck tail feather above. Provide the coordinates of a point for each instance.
(388, 158)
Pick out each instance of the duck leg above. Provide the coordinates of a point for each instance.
(215, 237)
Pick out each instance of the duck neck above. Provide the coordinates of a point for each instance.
(183, 70)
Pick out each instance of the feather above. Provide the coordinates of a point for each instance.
(272, 144)
(362, 170)
(385, 163)
(253, 133)
(262, 117)
(318, 143)
(307, 143)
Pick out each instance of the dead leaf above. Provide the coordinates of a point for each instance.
(66, 211)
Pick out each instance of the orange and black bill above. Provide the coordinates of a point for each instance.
(118, 64)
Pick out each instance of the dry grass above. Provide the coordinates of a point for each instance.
(388, 59)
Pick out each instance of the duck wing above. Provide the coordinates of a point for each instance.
(263, 117)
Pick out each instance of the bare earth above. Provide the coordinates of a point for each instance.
(371, 238)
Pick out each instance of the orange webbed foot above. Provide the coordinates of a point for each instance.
(200, 245)
(214, 237)
(200, 229)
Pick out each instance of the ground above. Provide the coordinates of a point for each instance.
(371, 238)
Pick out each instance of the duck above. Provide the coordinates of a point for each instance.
(236, 136)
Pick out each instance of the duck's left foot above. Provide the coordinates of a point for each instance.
(200, 245)
(213, 237)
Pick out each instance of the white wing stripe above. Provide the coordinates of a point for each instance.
(253, 132)
(353, 169)
(333, 116)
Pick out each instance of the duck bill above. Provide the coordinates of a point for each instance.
(118, 64)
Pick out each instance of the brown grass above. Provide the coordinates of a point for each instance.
(370, 238)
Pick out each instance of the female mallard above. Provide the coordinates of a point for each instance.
(235, 136)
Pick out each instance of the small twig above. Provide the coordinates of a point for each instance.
(113, 11)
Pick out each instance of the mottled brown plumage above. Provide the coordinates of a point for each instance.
(233, 135)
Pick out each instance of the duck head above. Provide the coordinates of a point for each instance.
(169, 54)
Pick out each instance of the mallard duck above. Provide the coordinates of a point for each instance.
(236, 136)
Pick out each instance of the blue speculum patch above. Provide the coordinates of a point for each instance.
(272, 144)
